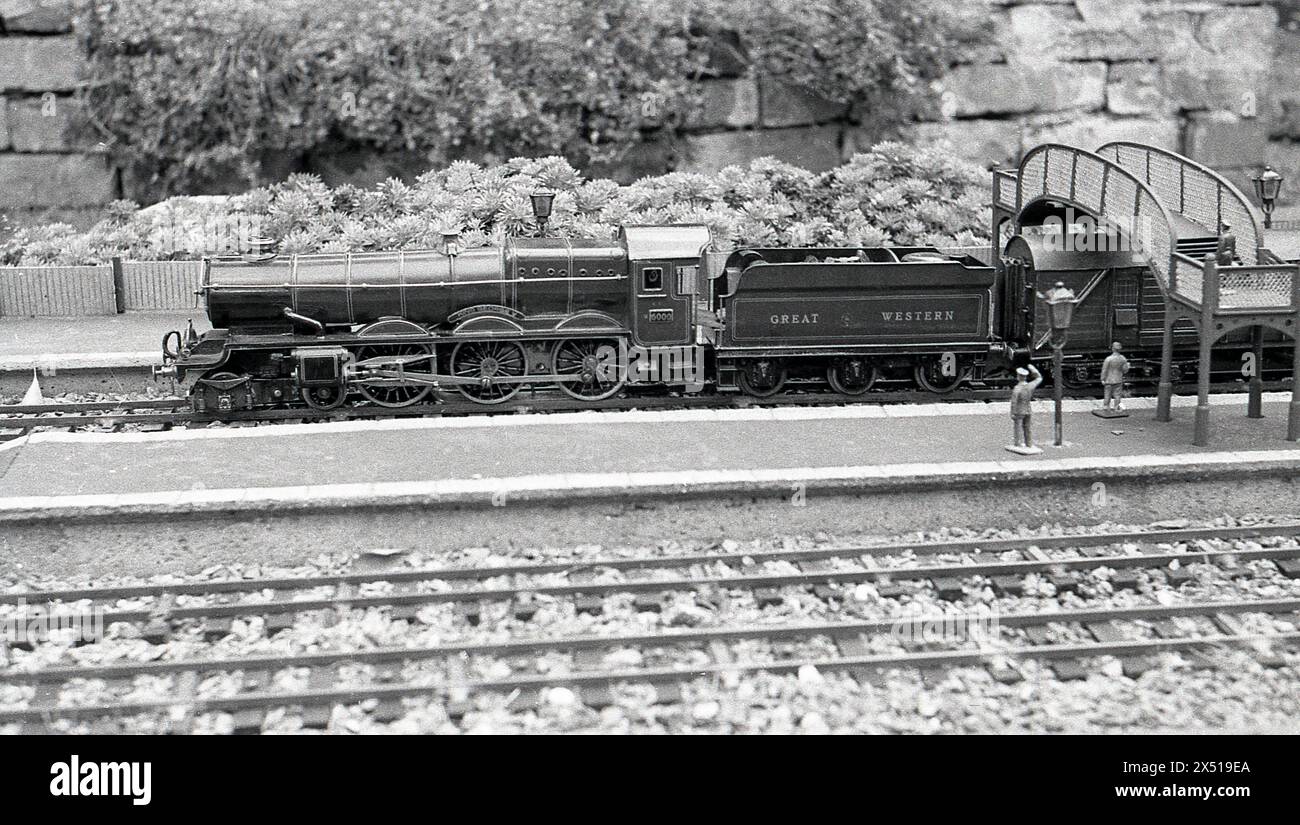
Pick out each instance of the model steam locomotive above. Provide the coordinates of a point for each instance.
(664, 308)
(660, 307)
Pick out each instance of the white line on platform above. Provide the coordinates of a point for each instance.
(856, 412)
(49, 363)
(500, 489)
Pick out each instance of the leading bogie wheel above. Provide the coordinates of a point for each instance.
(486, 362)
(324, 399)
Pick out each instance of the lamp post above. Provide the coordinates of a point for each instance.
(542, 203)
(1268, 184)
(1060, 312)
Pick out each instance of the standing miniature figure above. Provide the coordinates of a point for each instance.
(1113, 370)
(1225, 251)
(1022, 410)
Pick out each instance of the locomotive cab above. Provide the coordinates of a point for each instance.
(665, 280)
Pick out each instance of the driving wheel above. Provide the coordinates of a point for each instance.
(487, 362)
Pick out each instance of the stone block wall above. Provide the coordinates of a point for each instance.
(1218, 79)
(47, 171)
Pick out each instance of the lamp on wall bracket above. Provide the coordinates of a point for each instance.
(1268, 185)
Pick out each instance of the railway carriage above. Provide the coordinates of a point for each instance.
(1119, 300)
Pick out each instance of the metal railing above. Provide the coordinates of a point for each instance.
(1005, 188)
(1250, 287)
(1195, 191)
(1111, 192)
(1258, 287)
(1189, 274)
(1137, 187)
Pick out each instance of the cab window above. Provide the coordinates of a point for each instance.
(652, 279)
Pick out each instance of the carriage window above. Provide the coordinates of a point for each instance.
(1126, 290)
(1125, 301)
(652, 279)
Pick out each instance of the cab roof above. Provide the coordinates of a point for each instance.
(646, 243)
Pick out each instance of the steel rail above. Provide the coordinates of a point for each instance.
(105, 420)
(671, 637)
(751, 580)
(93, 406)
(353, 695)
(989, 545)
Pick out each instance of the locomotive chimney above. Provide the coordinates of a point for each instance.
(259, 249)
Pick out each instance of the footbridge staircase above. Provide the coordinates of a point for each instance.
(1172, 211)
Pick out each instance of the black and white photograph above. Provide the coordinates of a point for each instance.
(722, 367)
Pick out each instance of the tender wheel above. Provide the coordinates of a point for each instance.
(761, 379)
(929, 374)
(595, 360)
(852, 376)
(324, 398)
(486, 361)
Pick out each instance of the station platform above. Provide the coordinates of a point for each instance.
(132, 339)
(559, 457)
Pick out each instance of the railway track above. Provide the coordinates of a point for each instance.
(169, 413)
(464, 633)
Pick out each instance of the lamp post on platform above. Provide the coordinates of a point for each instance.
(1268, 185)
(542, 203)
(1060, 312)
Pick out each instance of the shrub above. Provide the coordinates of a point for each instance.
(849, 49)
(892, 194)
(188, 92)
(188, 89)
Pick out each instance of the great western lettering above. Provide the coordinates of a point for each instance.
(795, 318)
(919, 315)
